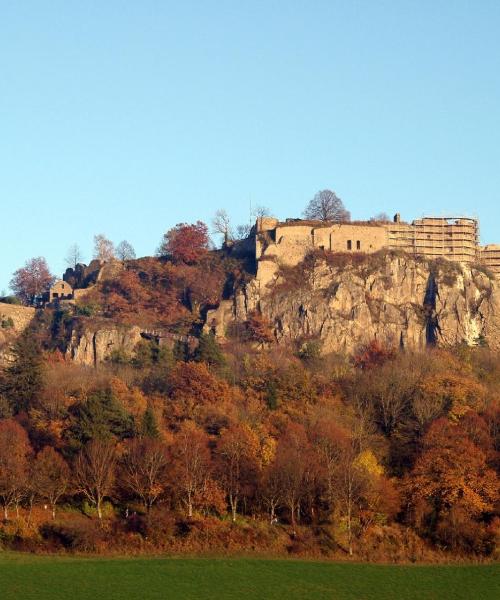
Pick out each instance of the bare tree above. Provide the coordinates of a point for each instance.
(260, 211)
(144, 469)
(191, 463)
(327, 206)
(221, 224)
(74, 256)
(351, 482)
(237, 461)
(125, 251)
(271, 489)
(380, 217)
(103, 248)
(95, 471)
(243, 231)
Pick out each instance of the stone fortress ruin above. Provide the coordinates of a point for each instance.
(453, 238)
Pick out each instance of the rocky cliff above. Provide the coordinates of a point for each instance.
(92, 344)
(346, 301)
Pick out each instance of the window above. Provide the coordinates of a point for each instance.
(358, 245)
(349, 244)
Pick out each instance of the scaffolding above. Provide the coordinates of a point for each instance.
(453, 237)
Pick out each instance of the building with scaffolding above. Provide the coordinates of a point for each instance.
(455, 238)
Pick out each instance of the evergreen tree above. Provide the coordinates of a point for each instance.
(209, 351)
(24, 378)
(100, 417)
(149, 426)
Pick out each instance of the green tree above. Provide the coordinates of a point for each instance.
(209, 351)
(149, 426)
(24, 378)
(100, 417)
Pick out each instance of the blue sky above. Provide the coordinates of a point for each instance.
(129, 117)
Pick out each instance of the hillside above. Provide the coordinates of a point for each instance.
(346, 406)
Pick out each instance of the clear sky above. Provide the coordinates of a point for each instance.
(127, 117)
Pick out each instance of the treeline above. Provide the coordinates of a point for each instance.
(389, 454)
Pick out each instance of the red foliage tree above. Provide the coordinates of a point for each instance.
(238, 463)
(50, 476)
(29, 282)
(450, 481)
(185, 243)
(14, 451)
(372, 355)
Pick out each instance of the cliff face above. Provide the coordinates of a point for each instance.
(396, 299)
(93, 346)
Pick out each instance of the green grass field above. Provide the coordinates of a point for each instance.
(26, 577)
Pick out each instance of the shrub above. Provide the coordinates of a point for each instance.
(6, 323)
(81, 536)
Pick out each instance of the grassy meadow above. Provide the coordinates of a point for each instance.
(26, 577)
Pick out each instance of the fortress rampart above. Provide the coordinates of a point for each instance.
(453, 238)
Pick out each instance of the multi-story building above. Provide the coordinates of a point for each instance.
(455, 238)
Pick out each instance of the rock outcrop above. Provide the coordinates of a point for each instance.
(92, 346)
(346, 302)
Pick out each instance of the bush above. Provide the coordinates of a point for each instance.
(6, 323)
(82, 536)
(90, 511)
(11, 300)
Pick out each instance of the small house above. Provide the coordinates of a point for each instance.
(60, 290)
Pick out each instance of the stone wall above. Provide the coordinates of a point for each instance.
(21, 315)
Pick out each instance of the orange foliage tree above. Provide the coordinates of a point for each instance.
(450, 477)
(185, 243)
(14, 452)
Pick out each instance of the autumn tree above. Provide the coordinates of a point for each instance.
(125, 251)
(194, 389)
(103, 248)
(144, 469)
(327, 206)
(238, 463)
(372, 355)
(51, 476)
(351, 483)
(329, 442)
(31, 281)
(191, 464)
(95, 471)
(185, 243)
(259, 329)
(14, 453)
(450, 479)
(293, 464)
(271, 489)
